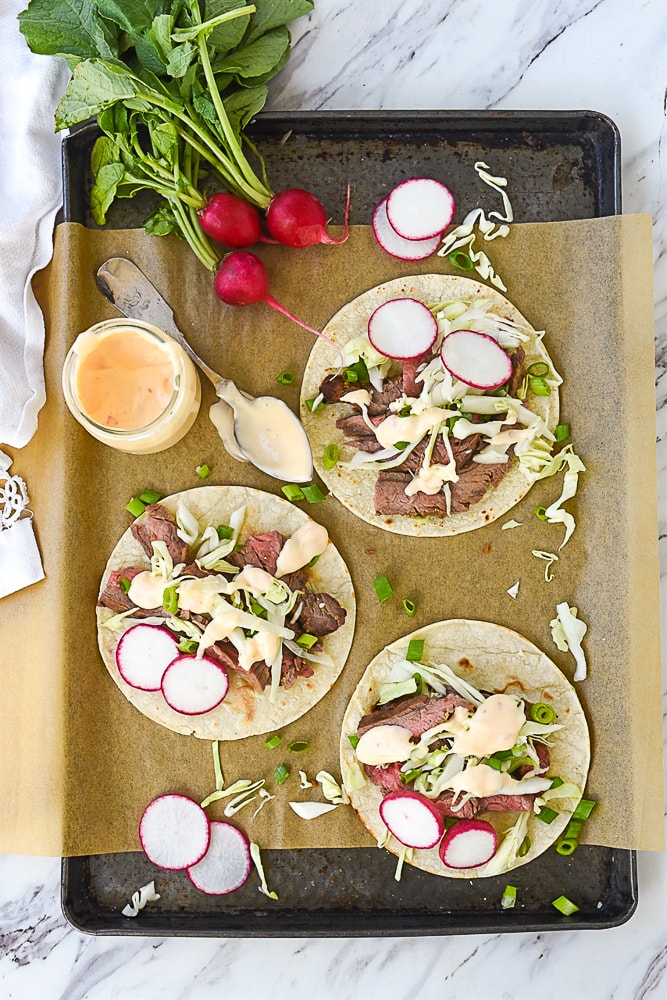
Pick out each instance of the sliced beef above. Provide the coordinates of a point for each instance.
(506, 803)
(387, 778)
(261, 551)
(517, 359)
(259, 675)
(355, 426)
(114, 598)
(444, 804)
(417, 713)
(320, 614)
(390, 496)
(224, 653)
(292, 668)
(193, 569)
(160, 526)
(296, 580)
(411, 387)
(335, 386)
(473, 483)
(392, 389)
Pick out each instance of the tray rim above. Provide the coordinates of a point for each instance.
(609, 199)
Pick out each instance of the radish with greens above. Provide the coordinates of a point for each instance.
(143, 654)
(397, 245)
(420, 208)
(296, 218)
(174, 832)
(194, 685)
(402, 328)
(469, 843)
(412, 819)
(476, 359)
(226, 864)
(231, 221)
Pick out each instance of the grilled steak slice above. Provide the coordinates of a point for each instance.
(296, 580)
(354, 426)
(292, 668)
(473, 483)
(417, 713)
(320, 614)
(261, 551)
(444, 806)
(387, 778)
(506, 803)
(517, 359)
(114, 598)
(225, 654)
(392, 390)
(335, 386)
(159, 526)
(390, 496)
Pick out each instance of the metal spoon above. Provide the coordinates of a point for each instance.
(263, 431)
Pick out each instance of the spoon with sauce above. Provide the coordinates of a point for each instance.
(263, 430)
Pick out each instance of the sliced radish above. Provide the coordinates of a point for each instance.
(174, 832)
(194, 685)
(226, 864)
(402, 328)
(397, 245)
(476, 359)
(412, 819)
(469, 843)
(143, 654)
(420, 208)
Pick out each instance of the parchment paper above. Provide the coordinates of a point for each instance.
(79, 763)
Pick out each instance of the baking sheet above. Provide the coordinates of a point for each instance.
(517, 154)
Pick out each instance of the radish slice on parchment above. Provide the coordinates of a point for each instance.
(174, 832)
(226, 864)
(194, 685)
(402, 328)
(475, 359)
(469, 843)
(397, 245)
(143, 654)
(412, 819)
(420, 208)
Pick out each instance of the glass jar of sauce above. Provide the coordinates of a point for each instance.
(131, 386)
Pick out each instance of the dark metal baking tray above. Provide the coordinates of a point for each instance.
(563, 165)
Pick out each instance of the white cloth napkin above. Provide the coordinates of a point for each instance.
(20, 561)
(30, 195)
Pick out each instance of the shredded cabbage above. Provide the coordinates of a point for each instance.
(257, 859)
(311, 810)
(331, 790)
(507, 853)
(567, 631)
(146, 894)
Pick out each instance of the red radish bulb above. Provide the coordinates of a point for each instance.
(468, 843)
(420, 208)
(231, 221)
(143, 654)
(402, 328)
(397, 245)
(226, 864)
(296, 218)
(476, 359)
(174, 832)
(194, 685)
(412, 819)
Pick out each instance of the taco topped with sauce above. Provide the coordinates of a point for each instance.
(477, 721)
(242, 578)
(408, 446)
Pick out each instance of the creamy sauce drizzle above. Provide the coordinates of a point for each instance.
(308, 541)
(384, 745)
(494, 726)
(410, 429)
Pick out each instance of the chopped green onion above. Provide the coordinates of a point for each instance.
(306, 640)
(409, 607)
(273, 742)
(354, 740)
(565, 905)
(419, 681)
(495, 763)
(358, 372)
(310, 404)
(312, 562)
(124, 584)
(224, 531)
(461, 260)
(286, 377)
(330, 456)
(508, 898)
(539, 386)
(541, 512)
(546, 814)
(556, 782)
(292, 492)
(188, 645)
(401, 445)
(584, 808)
(203, 471)
(150, 496)
(281, 774)
(540, 369)
(349, 375)
(382, 588)
(562, 432)
(566, 846)
(135, 507)
(257, 610)
(313, 494)
(415, 650)
(298, 746)
(170, 600)
(405, 411)
(411, 775)
(524, 847)
(540, 712)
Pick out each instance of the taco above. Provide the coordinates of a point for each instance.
(224, 552)
(432, 701)
(446, 475)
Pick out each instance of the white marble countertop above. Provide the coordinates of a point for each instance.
(605, 55)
